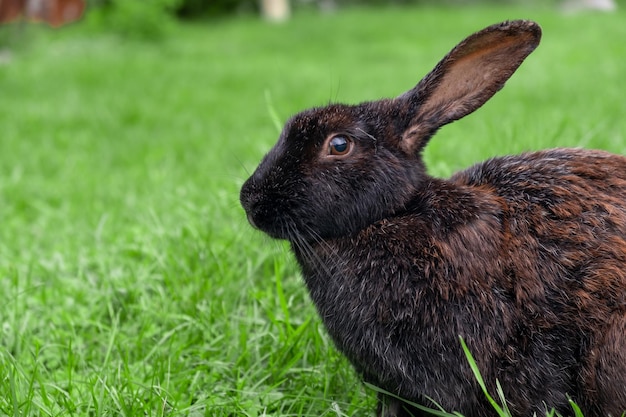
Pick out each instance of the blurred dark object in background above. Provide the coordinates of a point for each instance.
(54, 12)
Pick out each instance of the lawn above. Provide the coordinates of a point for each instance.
(130, 281)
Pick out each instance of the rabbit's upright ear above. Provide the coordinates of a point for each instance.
(466, 78)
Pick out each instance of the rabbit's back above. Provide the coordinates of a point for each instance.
(564, 240)
(564, 210)
(563, 223)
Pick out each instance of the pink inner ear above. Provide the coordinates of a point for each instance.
(474, 75)
(467, 77)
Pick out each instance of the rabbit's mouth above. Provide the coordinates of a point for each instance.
(251, 221)
(269, 218)
(265, 215)
(277, 227)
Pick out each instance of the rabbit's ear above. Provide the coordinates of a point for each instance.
(466, 78)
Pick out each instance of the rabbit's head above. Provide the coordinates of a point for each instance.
(339, 168)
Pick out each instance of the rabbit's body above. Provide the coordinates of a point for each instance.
(522, 256)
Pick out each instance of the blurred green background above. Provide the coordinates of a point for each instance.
(130, 281)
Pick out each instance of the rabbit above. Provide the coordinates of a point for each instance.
(523, 256)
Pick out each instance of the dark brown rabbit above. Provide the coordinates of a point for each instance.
(523, 256)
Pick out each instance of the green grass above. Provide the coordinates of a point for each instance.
(130, 281)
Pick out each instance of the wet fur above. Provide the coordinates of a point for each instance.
(523, 256)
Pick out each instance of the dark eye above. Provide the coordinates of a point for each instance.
(339, 145)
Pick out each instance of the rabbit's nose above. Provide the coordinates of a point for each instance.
(250, 199)
(249, 202)
(248, 196)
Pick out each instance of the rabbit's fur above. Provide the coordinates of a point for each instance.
(522, 256)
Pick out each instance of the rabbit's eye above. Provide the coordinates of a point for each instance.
(339, 145)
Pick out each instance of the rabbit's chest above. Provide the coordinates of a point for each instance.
(387, 309)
